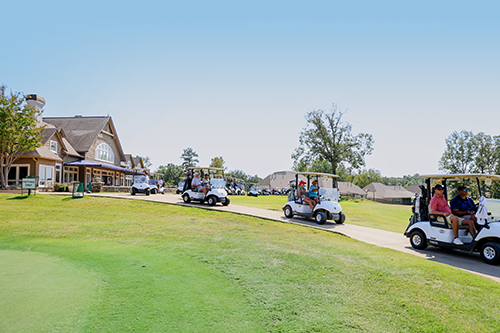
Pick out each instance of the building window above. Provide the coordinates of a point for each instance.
(104, 152)
(45, 176)
(70, 174)
(53, 146)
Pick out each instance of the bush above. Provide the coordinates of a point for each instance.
(58, 187)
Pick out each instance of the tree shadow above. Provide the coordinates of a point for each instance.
(19, 197)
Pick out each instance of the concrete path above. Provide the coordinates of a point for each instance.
(392, 240)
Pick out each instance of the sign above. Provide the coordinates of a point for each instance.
(29, 183)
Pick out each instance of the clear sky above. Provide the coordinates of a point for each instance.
(235, 78)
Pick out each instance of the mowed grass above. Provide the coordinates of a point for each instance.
(149, 267)
(358, 211)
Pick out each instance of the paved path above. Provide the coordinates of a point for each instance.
(392, 240)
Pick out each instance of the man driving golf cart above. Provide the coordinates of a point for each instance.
(429, 226)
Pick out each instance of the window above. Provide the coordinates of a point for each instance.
(45, 176)
(70, 174)
(53, 146)
(104, 153)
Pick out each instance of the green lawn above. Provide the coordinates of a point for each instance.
(358, 211)
(107, 265)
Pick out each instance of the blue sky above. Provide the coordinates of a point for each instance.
(235, 78)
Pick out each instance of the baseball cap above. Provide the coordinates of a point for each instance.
(463, 188)
(438, 187)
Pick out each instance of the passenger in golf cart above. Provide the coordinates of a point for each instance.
(303, 198)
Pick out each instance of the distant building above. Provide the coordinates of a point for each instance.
(388, 194)
(350, 190)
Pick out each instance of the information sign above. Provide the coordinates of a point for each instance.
(29, 183)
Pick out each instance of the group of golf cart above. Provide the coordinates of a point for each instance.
(142, 184)
(424, 228)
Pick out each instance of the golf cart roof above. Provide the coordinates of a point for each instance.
(462, 176)
(206, 168)
(314, 174)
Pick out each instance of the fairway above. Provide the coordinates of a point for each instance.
(358, 211)
(107, 265)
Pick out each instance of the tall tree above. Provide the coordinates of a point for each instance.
(189, 157)
(18, 130)
(325, 136)
(217, 162)
(459, 153)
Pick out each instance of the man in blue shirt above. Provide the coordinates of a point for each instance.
(462, 206)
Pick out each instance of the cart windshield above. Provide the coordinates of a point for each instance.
(140, 179)
(217, 182)
(331, 194)
(493, 206)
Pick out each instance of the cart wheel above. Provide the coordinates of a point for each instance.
(418, 240)
(226, 203)
(490, 253)
(212, 200)
(186, 198)
(341, 218)
(320, 217)
(288, 212)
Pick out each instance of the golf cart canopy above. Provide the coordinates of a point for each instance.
(315, 174)
(462, 176)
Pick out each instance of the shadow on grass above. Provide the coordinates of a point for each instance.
(19, 197)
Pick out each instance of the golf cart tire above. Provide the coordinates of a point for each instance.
(211, 200)
(288, 212)
(147, 192)
(186, 198)
(490, 253)
(418, 240)
(341, 218)
(153, 191)
(226, 203)
(133, 191)
(320, 217)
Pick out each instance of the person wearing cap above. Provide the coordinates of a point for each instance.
(462, 206)
(303, 194)
(313, 191)
(439, 206)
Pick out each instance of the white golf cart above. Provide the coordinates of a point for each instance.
(428, 229)
(328, 207)
(253, 191)
(140, 185)
(217, 191)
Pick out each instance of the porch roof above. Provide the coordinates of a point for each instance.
(92, 164)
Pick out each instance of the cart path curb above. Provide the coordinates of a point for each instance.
(388, 239)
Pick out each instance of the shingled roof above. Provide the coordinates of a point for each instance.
(81, 132)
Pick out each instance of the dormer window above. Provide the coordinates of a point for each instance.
(104, 152)
(53, 146)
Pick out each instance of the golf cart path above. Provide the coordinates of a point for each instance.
(392, 240)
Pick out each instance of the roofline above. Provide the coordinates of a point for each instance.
(462, 176)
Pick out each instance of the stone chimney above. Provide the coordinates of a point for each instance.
(38, 102)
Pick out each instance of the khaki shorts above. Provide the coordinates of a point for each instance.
(462, 218)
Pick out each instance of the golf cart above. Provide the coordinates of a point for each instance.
(180, 188)
(141, 185)
(253, 191)
(426, 228)
(153, 186)
(328, 207)
(217, 191)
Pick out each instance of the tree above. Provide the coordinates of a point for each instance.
(18, 130)
(172, 174)
(190, 158)
(326, 137)
(146, 161)
(217, 162)
(458, 156)
(367, 177)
